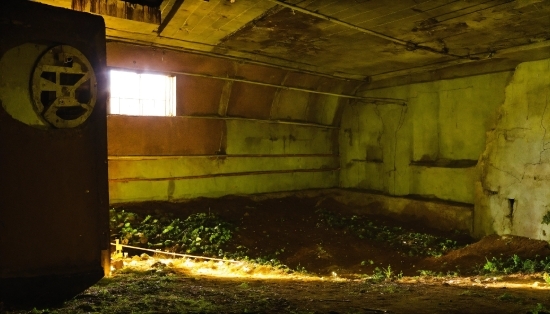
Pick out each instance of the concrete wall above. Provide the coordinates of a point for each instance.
(512, 190)
(429, 147)
(481, 141)
(228, 137)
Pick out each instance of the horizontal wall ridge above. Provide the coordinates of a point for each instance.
(272, 121)
(152, 157)
(229, 174)
(216, 117)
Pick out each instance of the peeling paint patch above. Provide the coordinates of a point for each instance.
(513, 163)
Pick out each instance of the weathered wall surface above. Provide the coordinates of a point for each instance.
(428, 148)
(228, 137)
(369, 150)
(512, 191)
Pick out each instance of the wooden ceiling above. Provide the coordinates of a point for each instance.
(355, 39)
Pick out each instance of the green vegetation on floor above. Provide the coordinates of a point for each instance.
(411, 243)
(200, 233)
(515, 264)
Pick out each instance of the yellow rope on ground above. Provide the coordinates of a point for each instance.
(176, 254)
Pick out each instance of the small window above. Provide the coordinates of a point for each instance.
(140, 94)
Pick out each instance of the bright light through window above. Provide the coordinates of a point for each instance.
(138, 94)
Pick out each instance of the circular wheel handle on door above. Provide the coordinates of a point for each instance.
(64, 87)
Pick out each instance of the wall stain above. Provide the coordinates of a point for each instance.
(171, 189)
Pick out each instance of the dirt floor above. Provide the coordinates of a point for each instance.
(339, 272)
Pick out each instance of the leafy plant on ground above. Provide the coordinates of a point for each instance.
(508, 297)
(411, 243)
(200, 233)
(384, 274)
(515, 264)
(387, 288)
(539, 309)
(429, 273)
(546, 218)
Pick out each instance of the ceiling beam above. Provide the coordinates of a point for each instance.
(169, 16)
(409, 45)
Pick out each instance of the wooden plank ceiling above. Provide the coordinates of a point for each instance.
(354, 39)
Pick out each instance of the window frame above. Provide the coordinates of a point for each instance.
(147, 106)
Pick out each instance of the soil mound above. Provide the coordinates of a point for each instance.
(469, 258)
